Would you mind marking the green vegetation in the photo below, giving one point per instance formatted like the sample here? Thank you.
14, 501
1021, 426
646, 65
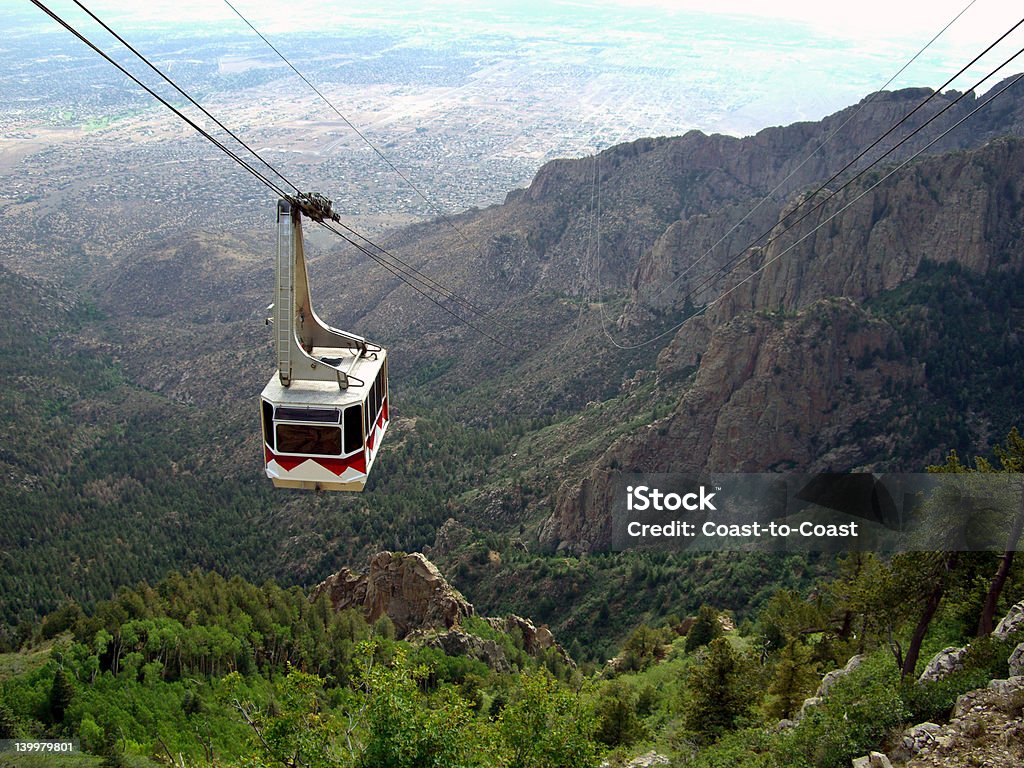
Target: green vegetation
198, 670
964, 327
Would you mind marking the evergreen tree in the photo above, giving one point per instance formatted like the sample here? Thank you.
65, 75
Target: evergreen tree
793, 681
617, 720
720, 692
61, 694
705, 629
8, 723
1011, 458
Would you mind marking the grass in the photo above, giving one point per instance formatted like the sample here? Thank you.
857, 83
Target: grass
23, 662
74, 760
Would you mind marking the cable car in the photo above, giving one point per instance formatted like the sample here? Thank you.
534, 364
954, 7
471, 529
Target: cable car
325, 411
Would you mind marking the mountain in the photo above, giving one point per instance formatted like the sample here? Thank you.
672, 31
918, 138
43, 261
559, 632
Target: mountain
887, 337
832, 358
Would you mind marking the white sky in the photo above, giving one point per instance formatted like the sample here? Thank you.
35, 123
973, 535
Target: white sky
984, 20
854, 19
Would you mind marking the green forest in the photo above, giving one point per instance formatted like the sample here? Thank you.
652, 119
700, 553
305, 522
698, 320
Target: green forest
201, 670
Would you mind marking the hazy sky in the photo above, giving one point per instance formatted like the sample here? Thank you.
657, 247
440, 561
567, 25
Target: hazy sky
858, 19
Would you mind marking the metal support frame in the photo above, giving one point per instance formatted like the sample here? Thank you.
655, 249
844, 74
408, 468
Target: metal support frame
304, 340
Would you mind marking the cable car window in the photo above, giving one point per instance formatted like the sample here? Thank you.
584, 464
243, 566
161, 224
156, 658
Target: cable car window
268, 423
303, 438
353, 428
319, 415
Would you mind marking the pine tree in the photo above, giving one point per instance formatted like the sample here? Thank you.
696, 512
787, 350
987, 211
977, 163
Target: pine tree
794, 676
720, 692
705, 629
61, 694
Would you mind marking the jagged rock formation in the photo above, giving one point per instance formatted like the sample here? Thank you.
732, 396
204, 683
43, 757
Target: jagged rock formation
407, 588
426, 609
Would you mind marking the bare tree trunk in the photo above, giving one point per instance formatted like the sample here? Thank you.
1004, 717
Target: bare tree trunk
930, 607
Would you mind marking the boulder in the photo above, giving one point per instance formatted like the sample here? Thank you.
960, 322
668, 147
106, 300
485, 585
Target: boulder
1012, 622
1016, 661
944, 663
872, 760
648, 760
836, 675
920, 736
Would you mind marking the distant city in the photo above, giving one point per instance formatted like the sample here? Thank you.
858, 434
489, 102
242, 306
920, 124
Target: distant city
467, 108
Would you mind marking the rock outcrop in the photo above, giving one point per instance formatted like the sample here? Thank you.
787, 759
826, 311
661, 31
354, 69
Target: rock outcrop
455, 642
1012, 622
407, 588
827, 683
536, 640
426, 609
648, 760
1016, 661
985, 730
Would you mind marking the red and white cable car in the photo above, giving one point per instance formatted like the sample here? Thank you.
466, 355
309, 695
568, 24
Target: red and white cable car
325, 411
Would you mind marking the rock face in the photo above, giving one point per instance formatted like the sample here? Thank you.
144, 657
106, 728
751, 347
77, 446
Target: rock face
744, 413
408, 589
788, 368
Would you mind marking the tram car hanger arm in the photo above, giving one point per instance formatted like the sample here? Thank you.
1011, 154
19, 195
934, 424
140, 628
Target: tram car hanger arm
326, 409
